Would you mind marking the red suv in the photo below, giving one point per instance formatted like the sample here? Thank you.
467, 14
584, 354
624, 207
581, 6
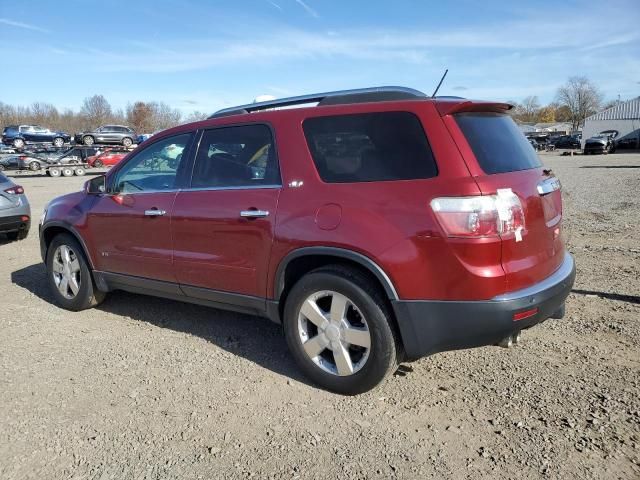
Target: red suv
376, 225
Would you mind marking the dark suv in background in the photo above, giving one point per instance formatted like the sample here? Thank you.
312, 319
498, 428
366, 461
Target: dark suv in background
19, 136
114, 134
377, 227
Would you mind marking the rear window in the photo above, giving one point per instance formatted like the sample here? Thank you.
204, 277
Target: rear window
497, 142
369, 147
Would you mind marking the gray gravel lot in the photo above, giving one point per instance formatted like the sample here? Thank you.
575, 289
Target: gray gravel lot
150, 388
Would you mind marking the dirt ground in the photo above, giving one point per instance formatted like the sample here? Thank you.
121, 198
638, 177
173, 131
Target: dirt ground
145, 388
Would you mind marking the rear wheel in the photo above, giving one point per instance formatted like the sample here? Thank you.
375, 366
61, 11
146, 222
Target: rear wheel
34, 166
18, 143
54, 172
69, 276
339, 330
88, 140
79, 171
127, 142
98, 164
67, 172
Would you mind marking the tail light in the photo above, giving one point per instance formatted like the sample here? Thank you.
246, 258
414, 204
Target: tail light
15, 190
481, 216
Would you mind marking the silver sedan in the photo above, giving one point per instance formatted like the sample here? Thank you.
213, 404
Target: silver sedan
15, 213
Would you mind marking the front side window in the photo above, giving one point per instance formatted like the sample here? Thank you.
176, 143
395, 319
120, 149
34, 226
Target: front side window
153, 169
242, 156
369, 147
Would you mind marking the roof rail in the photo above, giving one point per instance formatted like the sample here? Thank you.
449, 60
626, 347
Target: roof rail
373, 94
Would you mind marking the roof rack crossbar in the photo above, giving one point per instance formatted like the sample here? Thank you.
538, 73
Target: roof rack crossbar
316, 97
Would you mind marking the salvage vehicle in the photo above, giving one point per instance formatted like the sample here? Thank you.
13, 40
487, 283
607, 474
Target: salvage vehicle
108, 134
566, 141
19, 136
15, 212
377, 226
604, 142
107, 158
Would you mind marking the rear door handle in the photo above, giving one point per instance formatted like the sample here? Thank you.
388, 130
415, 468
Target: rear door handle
154, 212
254, 213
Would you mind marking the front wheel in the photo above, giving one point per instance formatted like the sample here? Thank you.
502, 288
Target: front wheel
339, 330
34, 166
88, 140
69, 276
127, 142
18, 143
58, 142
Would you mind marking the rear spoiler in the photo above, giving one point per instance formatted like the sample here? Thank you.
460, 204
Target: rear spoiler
451, 107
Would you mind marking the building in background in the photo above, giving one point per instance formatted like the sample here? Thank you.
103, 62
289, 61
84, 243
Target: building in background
624, 118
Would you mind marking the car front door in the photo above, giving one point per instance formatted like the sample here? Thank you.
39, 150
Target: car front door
223, 223
130, 224
28, 134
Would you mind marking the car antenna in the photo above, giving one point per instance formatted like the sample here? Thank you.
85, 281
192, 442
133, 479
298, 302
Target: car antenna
441, 80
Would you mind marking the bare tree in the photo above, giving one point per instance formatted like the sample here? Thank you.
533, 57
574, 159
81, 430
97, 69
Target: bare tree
581, 97
140, 117
530, 107
196, 116
96, 110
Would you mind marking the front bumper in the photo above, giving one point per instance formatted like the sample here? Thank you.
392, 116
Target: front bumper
428, 327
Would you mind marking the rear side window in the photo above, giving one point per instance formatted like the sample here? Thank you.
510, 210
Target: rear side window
497, 142
236, 156
369, 147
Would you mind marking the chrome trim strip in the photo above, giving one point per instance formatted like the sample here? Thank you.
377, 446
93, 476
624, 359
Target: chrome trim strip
548, 185
561, 274
244, 187
315, 97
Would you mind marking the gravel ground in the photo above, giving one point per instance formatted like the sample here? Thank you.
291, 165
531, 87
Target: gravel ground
150, 388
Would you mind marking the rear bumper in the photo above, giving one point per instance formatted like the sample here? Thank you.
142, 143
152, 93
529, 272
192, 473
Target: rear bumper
14, 223
428, 327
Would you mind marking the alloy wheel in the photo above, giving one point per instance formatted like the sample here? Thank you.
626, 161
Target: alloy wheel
66, 271
333, 332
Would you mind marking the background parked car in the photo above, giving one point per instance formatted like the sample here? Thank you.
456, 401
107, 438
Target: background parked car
566, 141
604, 142
144, 136
15, 212
20, 135
108, 158
36, 161
118, 134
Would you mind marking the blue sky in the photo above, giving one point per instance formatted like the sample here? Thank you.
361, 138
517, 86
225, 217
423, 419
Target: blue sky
197, 55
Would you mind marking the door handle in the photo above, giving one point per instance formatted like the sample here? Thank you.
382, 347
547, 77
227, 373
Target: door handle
254, 213
154, 212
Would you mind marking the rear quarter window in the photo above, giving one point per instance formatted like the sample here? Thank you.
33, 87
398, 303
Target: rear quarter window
369, 147
497, 142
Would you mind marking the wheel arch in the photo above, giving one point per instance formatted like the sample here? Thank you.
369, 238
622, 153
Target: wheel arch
302, 260
49, 232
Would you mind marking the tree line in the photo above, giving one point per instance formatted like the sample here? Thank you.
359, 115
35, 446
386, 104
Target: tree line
574, 101
143, 117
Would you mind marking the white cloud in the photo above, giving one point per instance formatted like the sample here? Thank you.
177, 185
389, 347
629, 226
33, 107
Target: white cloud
309, 10
26, 26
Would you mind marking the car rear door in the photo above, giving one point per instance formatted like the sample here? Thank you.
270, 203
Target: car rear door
130, 226
499, 157
223, 223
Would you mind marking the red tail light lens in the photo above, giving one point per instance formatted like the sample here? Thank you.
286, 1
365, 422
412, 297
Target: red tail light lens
15, 190
481, 216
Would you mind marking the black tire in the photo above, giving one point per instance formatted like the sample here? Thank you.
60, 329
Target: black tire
79, 171
383, 354
88, 140
58, 142
98, 164
54, 172
19, 235
18, 143
67, 171
127, 142
1, 167
34, 166
88, 295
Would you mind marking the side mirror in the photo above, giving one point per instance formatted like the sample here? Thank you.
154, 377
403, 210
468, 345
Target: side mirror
96, 185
